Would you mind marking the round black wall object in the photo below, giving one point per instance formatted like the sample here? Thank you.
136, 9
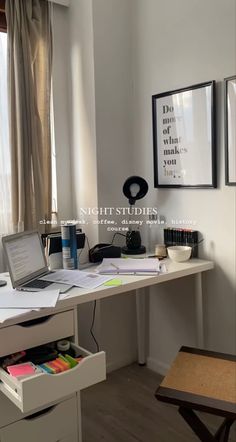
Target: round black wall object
127, 187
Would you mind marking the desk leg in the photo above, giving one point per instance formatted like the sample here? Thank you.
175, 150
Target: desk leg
141, 324
79, 421
199, 310
79, 417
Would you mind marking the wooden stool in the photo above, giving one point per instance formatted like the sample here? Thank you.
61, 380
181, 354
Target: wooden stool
206, 381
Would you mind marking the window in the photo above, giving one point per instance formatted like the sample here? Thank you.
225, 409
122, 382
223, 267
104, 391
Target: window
5, 164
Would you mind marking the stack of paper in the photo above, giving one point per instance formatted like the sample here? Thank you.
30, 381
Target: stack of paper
129, 266
10, 313
18, 299
14, 303
77, 278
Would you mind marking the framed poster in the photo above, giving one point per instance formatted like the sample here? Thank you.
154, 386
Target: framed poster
184, 137
230, 131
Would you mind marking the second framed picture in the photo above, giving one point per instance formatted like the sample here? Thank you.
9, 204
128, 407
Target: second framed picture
184, 137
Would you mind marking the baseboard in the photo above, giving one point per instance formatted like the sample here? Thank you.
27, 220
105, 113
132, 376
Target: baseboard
157, 366
116, 365
154, 365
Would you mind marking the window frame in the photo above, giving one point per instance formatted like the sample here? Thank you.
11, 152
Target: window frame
3, 21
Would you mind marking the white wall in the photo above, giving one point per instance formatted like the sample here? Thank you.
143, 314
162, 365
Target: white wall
101, 148
122, 52
176, 44
74, 111
113, 92
61, 104
83, 136
83, 130
113, 95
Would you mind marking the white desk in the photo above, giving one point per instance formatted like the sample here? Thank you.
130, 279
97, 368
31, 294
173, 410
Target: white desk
14, 336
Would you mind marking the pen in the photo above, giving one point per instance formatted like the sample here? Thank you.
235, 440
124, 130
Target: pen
117, 268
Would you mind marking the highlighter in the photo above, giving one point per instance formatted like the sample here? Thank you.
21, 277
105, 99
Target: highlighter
59, 364
54, 366
72, 361
49, 367
64, 362
45, 368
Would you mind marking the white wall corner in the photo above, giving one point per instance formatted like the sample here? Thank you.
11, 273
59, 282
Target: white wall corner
157, 366
120, 363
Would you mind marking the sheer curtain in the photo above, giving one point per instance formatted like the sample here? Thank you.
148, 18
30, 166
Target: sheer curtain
5, 162
29, 78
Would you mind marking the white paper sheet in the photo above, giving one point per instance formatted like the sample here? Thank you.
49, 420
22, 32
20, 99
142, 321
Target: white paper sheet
28, 300
77, 278
11, 313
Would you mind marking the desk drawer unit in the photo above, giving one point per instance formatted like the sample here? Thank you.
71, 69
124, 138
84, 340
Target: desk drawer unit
36, 332
56, 424
42, 389
8, 412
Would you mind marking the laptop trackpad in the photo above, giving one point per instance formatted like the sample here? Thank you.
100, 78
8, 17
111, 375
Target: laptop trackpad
56, 285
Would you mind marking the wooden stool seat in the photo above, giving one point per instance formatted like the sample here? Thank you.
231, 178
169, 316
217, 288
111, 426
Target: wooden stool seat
205, 381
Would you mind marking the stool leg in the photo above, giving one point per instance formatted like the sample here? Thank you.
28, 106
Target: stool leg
222, 435
196, 424
199, 310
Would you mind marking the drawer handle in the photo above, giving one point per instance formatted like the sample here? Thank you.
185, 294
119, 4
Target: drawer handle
40, 413
34, 322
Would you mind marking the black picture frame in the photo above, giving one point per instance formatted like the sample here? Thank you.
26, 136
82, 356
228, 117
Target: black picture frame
190, 124
230, 131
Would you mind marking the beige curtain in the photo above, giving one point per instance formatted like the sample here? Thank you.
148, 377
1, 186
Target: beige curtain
29, 65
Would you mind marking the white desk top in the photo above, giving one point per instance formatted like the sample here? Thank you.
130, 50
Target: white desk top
78, 295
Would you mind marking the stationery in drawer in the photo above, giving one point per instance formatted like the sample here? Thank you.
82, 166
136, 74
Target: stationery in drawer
36, 332
42, 389
51, 425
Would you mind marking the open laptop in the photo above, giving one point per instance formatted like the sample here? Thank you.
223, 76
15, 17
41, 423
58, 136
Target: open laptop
27, 263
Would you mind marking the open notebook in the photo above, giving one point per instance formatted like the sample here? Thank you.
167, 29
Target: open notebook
129, 266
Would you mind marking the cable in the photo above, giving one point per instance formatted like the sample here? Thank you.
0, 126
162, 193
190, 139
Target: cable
117, 233
87, 241
92, 325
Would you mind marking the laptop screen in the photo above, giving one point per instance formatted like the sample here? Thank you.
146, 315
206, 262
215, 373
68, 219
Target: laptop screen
25, 255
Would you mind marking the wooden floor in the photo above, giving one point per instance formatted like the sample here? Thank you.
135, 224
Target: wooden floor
124, 409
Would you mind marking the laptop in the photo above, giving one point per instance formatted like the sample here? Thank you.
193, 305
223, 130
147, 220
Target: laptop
27, 263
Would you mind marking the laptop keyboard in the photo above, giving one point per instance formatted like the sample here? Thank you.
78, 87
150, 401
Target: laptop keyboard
38, 284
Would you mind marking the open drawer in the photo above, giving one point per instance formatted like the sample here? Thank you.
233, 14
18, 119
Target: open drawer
42, 389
